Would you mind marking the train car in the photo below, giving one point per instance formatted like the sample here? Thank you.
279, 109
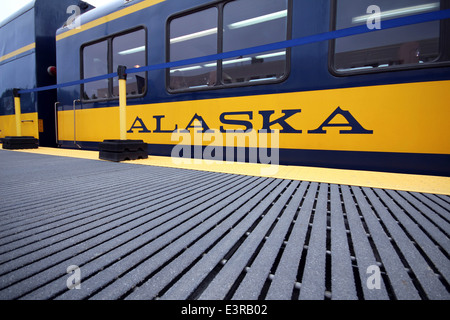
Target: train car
27, 51
373, 101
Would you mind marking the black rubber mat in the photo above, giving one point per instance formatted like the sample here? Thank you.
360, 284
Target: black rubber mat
15, 143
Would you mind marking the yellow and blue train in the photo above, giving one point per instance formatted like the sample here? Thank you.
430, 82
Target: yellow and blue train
374, 98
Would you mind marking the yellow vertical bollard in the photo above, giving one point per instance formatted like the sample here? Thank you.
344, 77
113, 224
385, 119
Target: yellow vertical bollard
123, 149
18, 110
121, 72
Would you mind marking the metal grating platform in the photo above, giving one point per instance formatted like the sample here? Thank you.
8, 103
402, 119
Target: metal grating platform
139, 232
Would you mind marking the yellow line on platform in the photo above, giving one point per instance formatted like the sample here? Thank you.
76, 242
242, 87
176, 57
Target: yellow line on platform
71, 153
394, 181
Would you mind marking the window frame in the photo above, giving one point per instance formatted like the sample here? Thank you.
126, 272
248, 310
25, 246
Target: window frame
444, 51
82, 67
109, 40
220, 5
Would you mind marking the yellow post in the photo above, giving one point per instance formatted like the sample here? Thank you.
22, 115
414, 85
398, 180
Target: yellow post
121, 71
18, 111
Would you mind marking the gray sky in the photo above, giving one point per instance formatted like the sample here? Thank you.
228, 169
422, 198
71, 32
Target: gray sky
8, 7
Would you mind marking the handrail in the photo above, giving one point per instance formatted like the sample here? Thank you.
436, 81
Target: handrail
75, 124
56, 122
326, 36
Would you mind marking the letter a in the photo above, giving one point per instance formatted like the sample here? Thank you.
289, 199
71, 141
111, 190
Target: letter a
374, 19
73, 22
196, 120
374, 281
351, 122
74, 281
142, 126
181, 153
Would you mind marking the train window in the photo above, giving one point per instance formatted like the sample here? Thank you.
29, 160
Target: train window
130, 50
192, 36
228, 26
413, 45
251, 23
95, 63
103, 57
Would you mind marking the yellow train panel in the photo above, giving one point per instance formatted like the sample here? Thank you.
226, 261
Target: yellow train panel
29, 125
406, 118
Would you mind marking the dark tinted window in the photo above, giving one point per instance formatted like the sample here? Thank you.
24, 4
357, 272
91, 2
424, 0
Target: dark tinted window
129, 50
95, 63
236, 25
251, 23
409, 45
192, 36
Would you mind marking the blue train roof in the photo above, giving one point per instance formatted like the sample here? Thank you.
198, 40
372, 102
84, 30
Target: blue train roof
101, 11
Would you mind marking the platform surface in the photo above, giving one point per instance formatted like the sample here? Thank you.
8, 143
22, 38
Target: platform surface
155, 232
